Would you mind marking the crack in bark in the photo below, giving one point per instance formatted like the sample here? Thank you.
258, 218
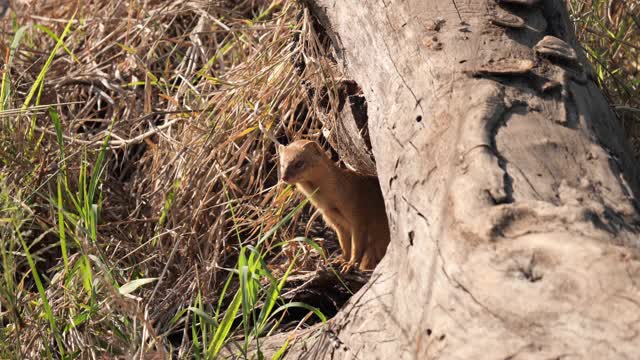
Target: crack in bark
394, 137
458, 284
347, 314
526, 179
404, 81
418, 212
475, 300
507, 180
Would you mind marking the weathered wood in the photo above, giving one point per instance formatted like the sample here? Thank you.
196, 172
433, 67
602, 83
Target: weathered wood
511, 194
348, 134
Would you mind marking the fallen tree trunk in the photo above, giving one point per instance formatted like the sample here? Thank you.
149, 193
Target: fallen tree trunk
509, 188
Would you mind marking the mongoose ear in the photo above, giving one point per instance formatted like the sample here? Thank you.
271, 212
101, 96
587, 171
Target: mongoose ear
313, 145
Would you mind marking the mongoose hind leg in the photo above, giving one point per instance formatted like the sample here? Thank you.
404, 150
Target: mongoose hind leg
367, 263
373, 253
378, 243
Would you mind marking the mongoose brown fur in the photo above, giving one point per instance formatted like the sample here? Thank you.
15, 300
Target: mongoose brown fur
352, 204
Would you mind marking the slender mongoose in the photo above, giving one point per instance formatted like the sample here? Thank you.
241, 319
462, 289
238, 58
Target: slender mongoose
352, 204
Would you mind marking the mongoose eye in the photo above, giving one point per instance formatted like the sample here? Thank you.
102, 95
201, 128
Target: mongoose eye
298, 164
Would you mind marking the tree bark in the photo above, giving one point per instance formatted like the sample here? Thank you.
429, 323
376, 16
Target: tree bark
509, 187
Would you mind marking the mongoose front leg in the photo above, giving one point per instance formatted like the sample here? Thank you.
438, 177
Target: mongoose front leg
344, 238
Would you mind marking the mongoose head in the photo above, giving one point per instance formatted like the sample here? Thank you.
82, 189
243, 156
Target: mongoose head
299, 160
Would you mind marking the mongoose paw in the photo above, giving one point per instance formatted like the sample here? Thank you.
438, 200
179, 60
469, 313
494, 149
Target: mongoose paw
338, 261
347, 267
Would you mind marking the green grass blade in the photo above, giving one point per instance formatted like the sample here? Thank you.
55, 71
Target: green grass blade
99, 165
131, 286
222, 332
233, 216
278, 355
301, 305
61, 226
203, 316
55, 37
194, 337
5, 89
245, 291
43, 295
222, 294
47, 64
272, 296
280, 223
87, 274
59, 201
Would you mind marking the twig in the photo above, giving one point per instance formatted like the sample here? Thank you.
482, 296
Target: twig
115, 144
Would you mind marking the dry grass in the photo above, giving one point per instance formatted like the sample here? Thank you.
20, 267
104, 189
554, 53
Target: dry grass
189, 179
609, 31
186, 184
